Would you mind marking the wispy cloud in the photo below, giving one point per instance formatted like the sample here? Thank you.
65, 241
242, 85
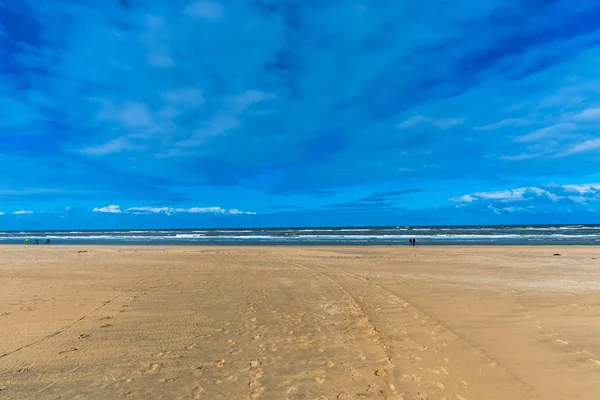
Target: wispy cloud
447, 123
590, 114
441, 123
412, 121
583, 147
118, 145
505, 123
551, 132
23, 212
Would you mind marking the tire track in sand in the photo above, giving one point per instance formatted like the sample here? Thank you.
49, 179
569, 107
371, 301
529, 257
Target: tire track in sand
366, 318
427, 358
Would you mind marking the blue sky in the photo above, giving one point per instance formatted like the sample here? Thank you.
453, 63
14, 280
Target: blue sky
191, 113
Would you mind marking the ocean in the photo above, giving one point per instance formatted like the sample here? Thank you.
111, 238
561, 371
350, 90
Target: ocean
392, 235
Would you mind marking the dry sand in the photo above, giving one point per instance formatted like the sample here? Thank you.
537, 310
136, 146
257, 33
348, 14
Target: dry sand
464, 323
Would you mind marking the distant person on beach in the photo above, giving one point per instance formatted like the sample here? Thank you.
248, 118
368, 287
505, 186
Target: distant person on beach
26, 241
414, 242
410, 241
47, 241
37, 241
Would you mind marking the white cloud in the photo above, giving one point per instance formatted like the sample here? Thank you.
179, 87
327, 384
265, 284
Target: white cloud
591, 114
194, 210
235, 211
1, 213
519, 157
23, 212
412, 121
215, 210
513, 209
467, 198
244, 100
583, 188
494, 209
205, 9
584, 147
171, 210
442, 123
114, 146
578, 193
509, 195
504, 123
545, 133
114, 209
151, 210
447, 123
216, 126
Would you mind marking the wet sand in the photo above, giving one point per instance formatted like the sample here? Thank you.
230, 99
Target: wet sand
464, 323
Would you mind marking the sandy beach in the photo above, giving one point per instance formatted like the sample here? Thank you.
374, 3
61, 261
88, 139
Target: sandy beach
464, 323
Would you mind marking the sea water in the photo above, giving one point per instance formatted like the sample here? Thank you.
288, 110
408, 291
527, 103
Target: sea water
391, 235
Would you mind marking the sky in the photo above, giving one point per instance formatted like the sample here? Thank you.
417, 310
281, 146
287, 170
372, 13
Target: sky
249, 113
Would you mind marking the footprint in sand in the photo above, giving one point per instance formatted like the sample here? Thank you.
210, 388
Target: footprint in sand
68, 351
254, 381
197, 392
106, 326
84, 336
152, 368
106, 318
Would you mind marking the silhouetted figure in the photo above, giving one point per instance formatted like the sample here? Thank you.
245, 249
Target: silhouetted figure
37, 241
47, 241
414, 242
410, 241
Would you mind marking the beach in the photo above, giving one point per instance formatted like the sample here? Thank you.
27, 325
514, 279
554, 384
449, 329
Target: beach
259, 322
